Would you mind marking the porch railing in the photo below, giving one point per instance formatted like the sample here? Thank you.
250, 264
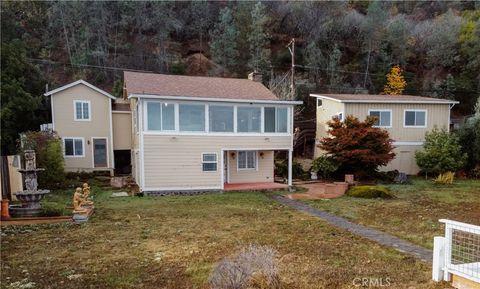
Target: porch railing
458, 252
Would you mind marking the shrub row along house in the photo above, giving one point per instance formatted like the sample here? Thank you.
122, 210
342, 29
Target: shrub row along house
181, 133
406, 118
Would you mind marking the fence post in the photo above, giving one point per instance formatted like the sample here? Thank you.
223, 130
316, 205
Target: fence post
448, 251
438, 258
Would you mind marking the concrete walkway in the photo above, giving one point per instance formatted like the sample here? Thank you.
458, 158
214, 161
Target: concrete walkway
362, 231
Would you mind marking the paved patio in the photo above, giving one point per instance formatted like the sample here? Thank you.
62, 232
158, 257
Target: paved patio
255, 187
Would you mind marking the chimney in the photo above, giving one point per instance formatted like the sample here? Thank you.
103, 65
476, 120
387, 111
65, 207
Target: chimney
255, 76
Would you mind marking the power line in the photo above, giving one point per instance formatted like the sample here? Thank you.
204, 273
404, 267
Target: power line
46, 61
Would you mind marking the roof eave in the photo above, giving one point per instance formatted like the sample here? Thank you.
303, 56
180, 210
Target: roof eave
194, 98
81, 81
385, 101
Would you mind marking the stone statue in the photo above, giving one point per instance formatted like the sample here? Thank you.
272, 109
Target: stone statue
86, 195
77, 202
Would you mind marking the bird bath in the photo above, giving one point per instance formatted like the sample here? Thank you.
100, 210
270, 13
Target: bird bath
31, 197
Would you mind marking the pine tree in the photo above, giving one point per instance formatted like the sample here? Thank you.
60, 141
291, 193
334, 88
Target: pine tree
395, 82
223, 44
259, 40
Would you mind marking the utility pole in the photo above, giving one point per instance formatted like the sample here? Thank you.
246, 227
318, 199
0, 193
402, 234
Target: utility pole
291, 48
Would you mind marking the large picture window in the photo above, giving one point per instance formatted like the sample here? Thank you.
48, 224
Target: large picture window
415, 118
192, 117
82, 110
160, 116
73, 147
247, 160
248, 119
384, 117
276, 119
220, 118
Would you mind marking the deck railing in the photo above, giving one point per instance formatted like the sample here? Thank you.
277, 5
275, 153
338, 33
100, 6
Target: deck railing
458, 252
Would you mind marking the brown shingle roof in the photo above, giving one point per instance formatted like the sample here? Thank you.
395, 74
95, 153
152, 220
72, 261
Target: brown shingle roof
195, 86
383, 98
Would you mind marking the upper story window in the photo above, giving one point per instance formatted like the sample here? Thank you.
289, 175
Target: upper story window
82, 110
276, 119
319, 102
192, 117
220, 118
73, 147
384, 117
160, 116
415, 118
248, 119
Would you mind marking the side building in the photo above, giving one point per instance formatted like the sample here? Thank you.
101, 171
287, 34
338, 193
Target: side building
406, 118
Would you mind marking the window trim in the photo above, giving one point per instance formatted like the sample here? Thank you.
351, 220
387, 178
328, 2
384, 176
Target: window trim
339, 115
382, 110
74, 138
145, 131
145, 111
210, 162
321, 102
75, 110
415, 110
255, 153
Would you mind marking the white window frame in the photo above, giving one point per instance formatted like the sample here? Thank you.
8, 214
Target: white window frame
210, 162
207, 131
161, 103
321, 102
276, 118
74, 138
382, 110
255, 153
75, 110
415, 110
339, 115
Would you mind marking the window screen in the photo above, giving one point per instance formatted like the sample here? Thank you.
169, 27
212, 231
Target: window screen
221, 118
192, 117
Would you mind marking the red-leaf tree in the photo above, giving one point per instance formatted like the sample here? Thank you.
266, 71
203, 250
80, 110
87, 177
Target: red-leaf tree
357, 146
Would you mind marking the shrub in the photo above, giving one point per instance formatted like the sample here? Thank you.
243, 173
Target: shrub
357, 147
281, 169
444, 179
49, 156
253, 266
441, 153
325, 166
469, 140
369, 192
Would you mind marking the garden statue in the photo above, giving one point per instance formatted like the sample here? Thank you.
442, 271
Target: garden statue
86, 195
77, 202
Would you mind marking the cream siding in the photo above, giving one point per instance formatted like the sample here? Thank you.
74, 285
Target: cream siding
325, 113
122, 130
97, 127
437, 115
404, 160
262, 174
175, 161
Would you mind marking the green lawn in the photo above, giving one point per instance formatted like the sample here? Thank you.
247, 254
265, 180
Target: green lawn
415, 212
174, 242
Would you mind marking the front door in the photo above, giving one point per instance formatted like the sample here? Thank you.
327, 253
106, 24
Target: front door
100, 152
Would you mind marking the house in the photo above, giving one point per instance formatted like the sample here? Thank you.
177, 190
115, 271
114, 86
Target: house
406, 118
176, 133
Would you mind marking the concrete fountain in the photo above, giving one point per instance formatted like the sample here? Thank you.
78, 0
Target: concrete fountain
30, 198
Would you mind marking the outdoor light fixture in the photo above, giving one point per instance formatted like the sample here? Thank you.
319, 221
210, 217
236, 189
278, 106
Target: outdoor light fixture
233, 155
261, 154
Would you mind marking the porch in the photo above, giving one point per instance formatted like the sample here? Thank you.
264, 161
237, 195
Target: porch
255, 187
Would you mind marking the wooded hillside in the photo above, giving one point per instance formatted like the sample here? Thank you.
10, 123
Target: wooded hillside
341, 47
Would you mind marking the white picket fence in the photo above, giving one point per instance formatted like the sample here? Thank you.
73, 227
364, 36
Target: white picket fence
457, 253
